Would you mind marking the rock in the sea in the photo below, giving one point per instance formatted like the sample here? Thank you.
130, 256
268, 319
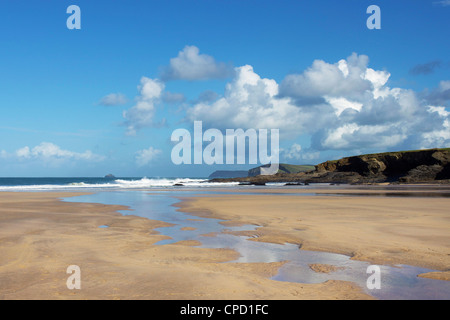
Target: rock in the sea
252, 183
110, 176
259, 183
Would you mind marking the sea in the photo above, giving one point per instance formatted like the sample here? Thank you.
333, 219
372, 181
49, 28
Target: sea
102, 183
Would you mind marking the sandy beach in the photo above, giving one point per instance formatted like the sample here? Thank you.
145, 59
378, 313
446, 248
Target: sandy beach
40, 236
380, 230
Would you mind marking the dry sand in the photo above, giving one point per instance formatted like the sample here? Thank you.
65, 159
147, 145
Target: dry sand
40, 236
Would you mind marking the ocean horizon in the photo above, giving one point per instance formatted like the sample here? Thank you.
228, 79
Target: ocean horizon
102, 183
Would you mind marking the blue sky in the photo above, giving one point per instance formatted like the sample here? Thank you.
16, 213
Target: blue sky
75, 102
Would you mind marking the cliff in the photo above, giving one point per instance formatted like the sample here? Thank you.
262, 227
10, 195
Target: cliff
417, 166
406, 166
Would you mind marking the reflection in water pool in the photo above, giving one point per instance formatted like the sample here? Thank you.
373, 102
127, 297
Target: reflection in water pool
398, 282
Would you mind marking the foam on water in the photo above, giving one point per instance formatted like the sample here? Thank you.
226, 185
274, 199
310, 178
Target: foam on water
56, 184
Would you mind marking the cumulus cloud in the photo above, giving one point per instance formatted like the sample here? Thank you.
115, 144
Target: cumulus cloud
341, 104
23, 152
356, 136
249, 101
50, 151
142, 113
144, 157
440, 136
191, 65
113, 99
344, 106
294, 152
369, 114
324, 79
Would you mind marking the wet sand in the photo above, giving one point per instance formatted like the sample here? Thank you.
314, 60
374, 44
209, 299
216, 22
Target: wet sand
40, 236
380, 230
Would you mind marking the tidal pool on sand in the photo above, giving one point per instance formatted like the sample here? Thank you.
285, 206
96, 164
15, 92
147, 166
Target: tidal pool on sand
397, 282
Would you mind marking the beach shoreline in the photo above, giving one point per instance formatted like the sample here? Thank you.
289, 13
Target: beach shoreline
40, 236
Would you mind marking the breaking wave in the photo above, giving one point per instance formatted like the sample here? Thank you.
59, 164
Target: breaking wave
125, 183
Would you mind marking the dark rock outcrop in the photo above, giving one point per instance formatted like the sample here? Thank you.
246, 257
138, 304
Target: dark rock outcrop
419, 166
408, 166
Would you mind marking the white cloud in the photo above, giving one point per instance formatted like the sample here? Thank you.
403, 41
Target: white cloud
23, 153
113, 99
191, 65
345, 78
354, 136
439, 110
294, 152
378, 80
369, 114
341, 104
440, 136
249, 102
345, 105
142, 113
144, 157
335, 138
48, 151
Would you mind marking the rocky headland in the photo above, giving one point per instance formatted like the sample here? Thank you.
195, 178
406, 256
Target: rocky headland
417, 166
